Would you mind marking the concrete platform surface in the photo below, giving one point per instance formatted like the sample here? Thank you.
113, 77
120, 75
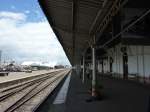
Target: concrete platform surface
118, 96
20, 75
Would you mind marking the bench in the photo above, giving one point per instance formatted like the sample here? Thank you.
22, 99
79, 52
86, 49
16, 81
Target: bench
133, 76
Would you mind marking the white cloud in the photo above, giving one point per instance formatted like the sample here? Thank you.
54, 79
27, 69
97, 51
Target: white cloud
27, 11
27, 63
28, 41
12, 15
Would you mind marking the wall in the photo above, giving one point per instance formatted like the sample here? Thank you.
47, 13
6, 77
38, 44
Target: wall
138, 60
116, 55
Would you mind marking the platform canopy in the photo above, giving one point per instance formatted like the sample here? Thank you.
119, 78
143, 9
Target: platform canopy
74, 22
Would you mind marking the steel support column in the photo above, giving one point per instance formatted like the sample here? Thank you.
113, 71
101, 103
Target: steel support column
83, 75
143, 60
125, 64
93, 72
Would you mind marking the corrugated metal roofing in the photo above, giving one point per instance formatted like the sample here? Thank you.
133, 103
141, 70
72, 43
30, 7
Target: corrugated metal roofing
73, 22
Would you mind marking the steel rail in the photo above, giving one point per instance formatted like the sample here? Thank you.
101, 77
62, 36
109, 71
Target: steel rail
10, 93
29, 96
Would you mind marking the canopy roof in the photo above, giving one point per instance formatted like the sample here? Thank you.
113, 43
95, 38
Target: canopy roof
74, 22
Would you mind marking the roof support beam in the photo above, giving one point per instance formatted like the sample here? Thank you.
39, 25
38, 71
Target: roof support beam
113, 10
124, 2
74, 16
80, 32
125, 29
97, 17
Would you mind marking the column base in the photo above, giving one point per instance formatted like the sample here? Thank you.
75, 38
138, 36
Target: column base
96, 96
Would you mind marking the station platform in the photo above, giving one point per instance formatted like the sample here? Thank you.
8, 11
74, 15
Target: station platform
20, 75
17, 77
118, 96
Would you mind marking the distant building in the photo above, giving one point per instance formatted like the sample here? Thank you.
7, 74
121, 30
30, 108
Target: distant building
39, 67
58, 66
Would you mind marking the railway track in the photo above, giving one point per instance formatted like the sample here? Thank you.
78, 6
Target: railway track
27, 96
16, 87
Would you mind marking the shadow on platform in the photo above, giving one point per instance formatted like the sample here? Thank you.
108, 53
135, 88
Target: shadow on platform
119, 96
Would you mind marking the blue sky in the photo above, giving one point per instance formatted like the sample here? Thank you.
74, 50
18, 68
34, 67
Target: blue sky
25, 34
30, 7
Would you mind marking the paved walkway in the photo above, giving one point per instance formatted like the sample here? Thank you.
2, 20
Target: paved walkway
119, 96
